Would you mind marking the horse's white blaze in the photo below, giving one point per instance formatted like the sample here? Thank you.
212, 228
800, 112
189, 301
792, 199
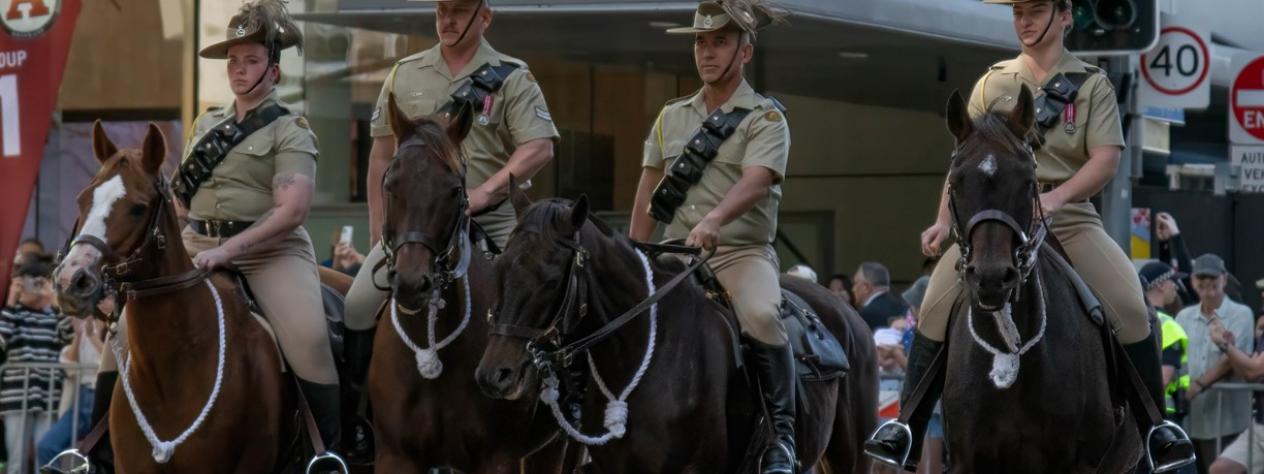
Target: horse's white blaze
103, 199
988, 166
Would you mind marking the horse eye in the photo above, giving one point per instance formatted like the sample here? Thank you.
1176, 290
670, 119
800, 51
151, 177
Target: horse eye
137, 210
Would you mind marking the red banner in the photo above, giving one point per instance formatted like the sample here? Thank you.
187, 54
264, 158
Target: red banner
34, 42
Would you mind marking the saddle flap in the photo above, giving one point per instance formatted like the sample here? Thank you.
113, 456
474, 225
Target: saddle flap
819, 354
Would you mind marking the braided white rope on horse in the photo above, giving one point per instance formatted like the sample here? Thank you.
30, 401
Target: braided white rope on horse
1005, 365
164, 449
616, 416
428, 363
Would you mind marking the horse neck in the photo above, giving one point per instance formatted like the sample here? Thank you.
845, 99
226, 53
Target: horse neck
616, 283
171, 323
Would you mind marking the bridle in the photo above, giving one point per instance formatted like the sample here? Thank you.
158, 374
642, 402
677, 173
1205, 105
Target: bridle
119, 273
547, 347
451, 258
1029, 239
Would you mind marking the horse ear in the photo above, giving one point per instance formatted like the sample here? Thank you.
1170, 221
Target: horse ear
459, 125
401, 125
518, 198
958, 117
579, 212
101, 144
1023, 116
154, 151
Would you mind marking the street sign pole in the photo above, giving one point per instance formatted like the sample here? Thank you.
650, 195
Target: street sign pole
1116, 201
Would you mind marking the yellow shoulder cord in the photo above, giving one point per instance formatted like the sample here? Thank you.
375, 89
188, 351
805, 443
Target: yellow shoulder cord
658, 128
390, 79
983, 88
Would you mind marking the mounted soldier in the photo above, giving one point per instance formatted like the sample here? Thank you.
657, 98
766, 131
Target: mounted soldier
1079, 140
513, 134
245, 186
722, 190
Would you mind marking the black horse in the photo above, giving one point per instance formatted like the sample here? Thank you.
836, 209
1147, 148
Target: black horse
1030, 386
693, 410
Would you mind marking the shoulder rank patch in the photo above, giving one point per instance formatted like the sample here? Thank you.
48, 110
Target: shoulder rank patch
302, 123
543, 113
377, 113
773, 116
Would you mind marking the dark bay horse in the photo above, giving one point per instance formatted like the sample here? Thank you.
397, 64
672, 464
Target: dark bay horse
1051, 408
566, 274
441, 293
198, 363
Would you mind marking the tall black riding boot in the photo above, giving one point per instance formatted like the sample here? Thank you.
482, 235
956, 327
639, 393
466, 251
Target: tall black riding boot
358, 350
1169, 447
325, 401
102, 455
774, 366
892, 440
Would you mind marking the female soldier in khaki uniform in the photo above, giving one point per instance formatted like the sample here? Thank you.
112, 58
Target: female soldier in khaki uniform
732, 207
249, 213
1078, 157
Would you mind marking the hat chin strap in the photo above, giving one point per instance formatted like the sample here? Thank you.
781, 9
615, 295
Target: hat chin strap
1048, 25
470, 23
733, 60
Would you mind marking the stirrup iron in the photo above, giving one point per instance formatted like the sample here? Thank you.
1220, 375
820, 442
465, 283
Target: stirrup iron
897, 463
77, 462
327, 455
1172, 465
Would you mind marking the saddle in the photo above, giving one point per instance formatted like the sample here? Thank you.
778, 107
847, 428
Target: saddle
819, 355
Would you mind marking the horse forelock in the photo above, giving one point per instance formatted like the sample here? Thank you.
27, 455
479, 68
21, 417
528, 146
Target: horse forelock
435, 140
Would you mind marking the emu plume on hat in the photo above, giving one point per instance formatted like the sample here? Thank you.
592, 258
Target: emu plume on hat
266, 22
746, 15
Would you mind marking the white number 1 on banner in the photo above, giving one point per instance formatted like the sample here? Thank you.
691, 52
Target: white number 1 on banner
11, 133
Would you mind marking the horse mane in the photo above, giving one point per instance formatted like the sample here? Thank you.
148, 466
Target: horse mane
434, 136
992, 128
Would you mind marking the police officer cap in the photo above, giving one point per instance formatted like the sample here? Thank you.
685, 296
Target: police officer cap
266, 22
1155, 273
745, 15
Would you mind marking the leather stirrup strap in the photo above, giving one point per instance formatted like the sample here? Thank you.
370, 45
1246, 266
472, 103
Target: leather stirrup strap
94, 436
313, 431
923, 385
1152, 412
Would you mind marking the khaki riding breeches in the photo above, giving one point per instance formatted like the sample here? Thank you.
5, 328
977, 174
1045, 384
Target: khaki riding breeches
364, 299
1096, 257
749, 275
286, 285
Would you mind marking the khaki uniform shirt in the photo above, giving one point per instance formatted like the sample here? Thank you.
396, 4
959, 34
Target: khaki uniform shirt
1096, 113
240, 188
762, 139
422, 84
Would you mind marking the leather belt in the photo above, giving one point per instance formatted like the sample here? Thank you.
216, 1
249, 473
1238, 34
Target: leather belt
219, 229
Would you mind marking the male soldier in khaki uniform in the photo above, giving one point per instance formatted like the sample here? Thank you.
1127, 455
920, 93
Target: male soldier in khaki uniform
248, 213
513, 133
1078, 154
732, 205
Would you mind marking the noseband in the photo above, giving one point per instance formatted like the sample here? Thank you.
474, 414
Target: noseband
1029, 239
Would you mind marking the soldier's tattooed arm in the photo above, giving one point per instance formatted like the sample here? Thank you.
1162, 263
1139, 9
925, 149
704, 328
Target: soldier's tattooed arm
291, 200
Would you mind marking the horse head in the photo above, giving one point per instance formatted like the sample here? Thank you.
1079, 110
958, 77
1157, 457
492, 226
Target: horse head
537, 276
424, 197
993, 196
119, 214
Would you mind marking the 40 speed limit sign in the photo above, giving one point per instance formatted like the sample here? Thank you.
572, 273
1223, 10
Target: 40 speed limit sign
1176, 71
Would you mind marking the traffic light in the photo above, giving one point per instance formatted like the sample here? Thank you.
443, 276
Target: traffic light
1113, 26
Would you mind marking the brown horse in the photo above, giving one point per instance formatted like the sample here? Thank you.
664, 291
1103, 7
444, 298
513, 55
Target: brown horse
197, 361
1055, 406
427, 409
565, 276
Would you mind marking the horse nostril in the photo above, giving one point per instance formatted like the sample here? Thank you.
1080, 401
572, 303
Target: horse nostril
1011, 276
83, 283
504, 377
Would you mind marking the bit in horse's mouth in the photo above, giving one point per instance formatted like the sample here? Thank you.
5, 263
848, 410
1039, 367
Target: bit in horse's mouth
406, 310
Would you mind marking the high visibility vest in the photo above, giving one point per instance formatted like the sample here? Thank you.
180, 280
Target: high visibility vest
1174, 335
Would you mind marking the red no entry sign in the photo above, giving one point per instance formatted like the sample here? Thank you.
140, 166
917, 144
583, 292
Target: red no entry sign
1246, 103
